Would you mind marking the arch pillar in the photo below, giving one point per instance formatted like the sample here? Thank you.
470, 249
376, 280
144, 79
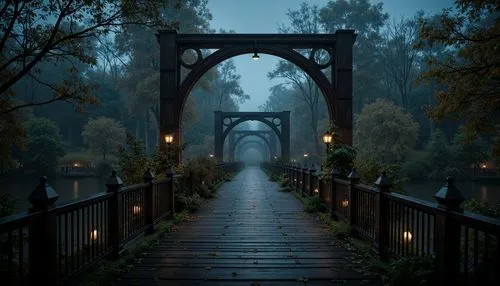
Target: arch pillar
169, 91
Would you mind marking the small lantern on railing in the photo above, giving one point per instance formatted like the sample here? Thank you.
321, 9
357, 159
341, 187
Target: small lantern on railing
345, 203
407, 236
93, 235
136, 210
316, 191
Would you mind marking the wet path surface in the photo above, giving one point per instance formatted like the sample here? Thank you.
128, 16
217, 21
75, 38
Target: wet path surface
251, 234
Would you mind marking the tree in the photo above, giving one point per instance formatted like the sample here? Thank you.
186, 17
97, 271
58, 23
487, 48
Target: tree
438, 154
367, 20
305, 20
43, 146
226, 85
384, 132
466, 153
141, 80
469, 79
53, 31
400, 59
103, 135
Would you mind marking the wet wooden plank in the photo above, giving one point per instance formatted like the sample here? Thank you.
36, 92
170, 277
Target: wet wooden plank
251, 234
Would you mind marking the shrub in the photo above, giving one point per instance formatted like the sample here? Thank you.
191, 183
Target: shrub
7, 204
413, 170
313, 205
191, 203
412, 271
483, 208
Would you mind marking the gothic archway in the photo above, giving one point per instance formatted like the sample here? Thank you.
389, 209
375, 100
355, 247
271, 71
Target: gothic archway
174, 89
267, 136
279, 122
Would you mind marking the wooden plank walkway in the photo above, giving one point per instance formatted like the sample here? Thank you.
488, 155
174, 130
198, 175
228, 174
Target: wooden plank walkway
252, 234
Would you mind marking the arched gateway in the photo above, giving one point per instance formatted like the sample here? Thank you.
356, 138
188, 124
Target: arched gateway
245, 145
267, 136
279, 122
335, 86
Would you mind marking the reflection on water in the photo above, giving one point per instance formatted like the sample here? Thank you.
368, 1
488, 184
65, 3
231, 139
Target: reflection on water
75, 189
69, 189
485, 191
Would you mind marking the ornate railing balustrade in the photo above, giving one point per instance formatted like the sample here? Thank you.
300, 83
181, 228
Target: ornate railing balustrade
466, 246
52, 244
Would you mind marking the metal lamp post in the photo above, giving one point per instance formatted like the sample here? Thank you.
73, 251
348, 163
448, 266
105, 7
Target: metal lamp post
327, 139
169, 138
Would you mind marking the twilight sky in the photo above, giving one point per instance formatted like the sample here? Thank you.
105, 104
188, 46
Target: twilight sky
263, 16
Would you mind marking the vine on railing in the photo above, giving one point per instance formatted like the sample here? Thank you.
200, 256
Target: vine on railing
466, 246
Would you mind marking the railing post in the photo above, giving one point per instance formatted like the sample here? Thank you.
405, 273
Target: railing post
298, 176
303, 185
312, 172
149, 201
114, 183
43, 236
447, 239
382, 208
353, 180
335, 174
170, 188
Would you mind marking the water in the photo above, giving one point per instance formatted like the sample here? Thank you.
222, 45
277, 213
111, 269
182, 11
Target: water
69, 189
485, 191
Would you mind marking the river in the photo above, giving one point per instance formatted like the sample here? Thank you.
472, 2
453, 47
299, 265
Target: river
75, 188
69, 189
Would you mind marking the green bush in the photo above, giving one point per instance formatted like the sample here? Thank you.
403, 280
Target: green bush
285, 189
191, 203
313, 205
412, 271
483, 208
340, 157
414, 170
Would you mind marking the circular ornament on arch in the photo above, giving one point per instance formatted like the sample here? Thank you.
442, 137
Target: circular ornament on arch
227, 121
190, 58
321, 57
276, 121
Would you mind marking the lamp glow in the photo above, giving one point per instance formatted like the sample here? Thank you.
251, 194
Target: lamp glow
483, 165
345, 203
407, 236
211, 155
169, 138
316, 190
306, 155
136, 210
93, 235
327, 138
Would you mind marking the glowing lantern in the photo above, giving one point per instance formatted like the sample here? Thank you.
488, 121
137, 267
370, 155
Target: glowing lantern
93, 235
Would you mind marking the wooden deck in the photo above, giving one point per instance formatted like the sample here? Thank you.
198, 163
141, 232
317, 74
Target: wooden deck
252, 234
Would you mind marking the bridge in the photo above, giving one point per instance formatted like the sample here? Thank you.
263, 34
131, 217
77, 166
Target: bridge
251, 233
